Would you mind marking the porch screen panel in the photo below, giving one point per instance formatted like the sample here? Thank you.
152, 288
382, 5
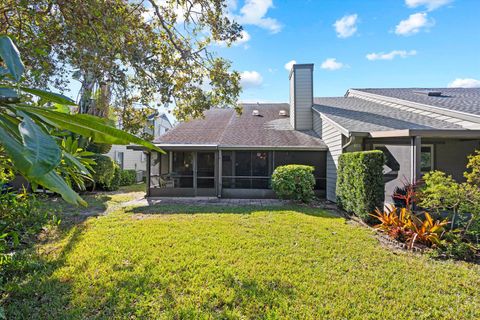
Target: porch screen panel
154, 170
309, 158
182, 169
246, 169
206, 170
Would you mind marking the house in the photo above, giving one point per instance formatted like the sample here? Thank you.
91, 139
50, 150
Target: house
128, 159
231, 155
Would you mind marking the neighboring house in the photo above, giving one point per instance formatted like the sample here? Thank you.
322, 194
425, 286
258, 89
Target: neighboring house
127, 159
230, 155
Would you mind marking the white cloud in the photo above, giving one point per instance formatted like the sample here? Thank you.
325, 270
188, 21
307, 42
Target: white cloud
254, 12
346, 26
250, 79
464, 83
390, 55
331, 64
413, 24
429, 4
288, 66
244, 38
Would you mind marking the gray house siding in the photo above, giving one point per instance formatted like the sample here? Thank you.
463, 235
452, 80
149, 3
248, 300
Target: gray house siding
451, 156
397, 169
333, 139
292, 100
301, 96
303, 99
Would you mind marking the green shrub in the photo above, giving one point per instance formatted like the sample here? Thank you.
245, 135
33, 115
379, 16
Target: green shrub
21, 220
127, 177
115, 182
454, 246
360, 185
294, 182
104, 171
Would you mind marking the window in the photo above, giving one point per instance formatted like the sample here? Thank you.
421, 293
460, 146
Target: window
426, 158
119, 158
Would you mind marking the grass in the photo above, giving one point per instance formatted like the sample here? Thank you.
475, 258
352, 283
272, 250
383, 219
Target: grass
235, 263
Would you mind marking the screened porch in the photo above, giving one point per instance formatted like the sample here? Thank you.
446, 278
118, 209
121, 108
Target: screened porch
226, 173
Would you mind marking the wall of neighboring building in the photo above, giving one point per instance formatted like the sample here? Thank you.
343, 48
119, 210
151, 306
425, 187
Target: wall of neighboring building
333, 139
451, 156
132, 159
397, 169
136, 160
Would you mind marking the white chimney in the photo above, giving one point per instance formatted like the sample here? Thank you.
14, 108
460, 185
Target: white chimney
301, 96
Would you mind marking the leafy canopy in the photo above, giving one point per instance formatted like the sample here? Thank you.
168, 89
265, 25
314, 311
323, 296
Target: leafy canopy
159, 50
27, 122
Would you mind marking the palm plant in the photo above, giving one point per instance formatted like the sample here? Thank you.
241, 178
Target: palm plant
28, 116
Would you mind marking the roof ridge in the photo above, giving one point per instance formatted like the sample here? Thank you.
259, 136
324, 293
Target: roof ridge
220, 138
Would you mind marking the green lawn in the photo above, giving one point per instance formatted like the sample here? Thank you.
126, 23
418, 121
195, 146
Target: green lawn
238, 263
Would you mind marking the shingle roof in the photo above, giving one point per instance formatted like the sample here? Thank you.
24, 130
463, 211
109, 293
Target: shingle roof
358, 115
223, 127
456, 99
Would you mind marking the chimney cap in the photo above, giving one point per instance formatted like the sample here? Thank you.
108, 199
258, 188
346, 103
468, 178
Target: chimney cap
300, 66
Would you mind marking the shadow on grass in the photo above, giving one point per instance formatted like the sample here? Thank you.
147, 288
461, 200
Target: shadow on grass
33, 292
97, 205
212, 209
38, 293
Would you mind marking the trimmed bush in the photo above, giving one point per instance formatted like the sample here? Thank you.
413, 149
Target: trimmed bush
104, 171
115, 183
360, 185
127, 177
294, 182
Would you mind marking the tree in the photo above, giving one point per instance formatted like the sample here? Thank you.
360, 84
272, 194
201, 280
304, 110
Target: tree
160, 49
27, 120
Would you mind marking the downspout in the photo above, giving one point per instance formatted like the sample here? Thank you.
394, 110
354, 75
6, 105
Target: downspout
351, 138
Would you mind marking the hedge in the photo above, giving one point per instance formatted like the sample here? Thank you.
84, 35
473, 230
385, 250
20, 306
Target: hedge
360, 184
115, 182
103, 171
294, 182
127, 177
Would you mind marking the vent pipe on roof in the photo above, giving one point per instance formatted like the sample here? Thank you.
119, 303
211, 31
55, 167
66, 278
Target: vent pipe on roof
429, 93
301, 96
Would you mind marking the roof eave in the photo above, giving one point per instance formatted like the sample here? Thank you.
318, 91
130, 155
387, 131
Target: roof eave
427, 133
425, 107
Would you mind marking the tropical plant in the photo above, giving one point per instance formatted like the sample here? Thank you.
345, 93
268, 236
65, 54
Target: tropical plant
26, 124
406, 196
403, 225
76, 164
426, 231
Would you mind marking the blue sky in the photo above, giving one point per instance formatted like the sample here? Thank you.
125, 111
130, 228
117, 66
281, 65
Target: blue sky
409, 43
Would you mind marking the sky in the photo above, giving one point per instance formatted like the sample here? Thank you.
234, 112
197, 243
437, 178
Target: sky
355, 44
